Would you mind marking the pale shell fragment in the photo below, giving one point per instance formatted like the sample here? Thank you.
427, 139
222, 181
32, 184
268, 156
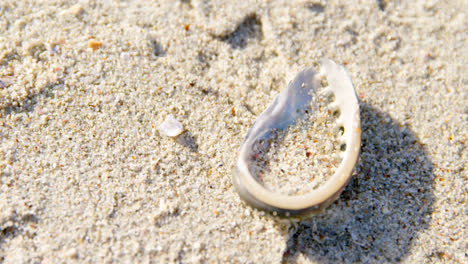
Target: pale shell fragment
287, 107
170, 127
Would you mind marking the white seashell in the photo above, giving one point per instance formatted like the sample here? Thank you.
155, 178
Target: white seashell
170, 127
288, 107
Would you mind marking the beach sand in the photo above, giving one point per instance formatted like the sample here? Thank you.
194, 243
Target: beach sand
86, 177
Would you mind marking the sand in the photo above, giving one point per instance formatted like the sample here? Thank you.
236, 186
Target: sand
86, 177
302, 157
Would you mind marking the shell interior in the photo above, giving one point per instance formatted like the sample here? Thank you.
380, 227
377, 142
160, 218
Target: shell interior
287, 109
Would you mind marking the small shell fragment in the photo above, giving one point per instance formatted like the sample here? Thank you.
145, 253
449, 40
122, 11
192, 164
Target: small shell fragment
170, 127
288, 107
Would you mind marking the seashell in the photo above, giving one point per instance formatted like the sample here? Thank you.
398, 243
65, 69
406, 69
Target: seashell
288, 107
170, 127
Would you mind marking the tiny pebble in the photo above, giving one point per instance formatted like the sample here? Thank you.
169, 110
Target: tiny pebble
94, 44
71, 253
75, 10
44, 119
